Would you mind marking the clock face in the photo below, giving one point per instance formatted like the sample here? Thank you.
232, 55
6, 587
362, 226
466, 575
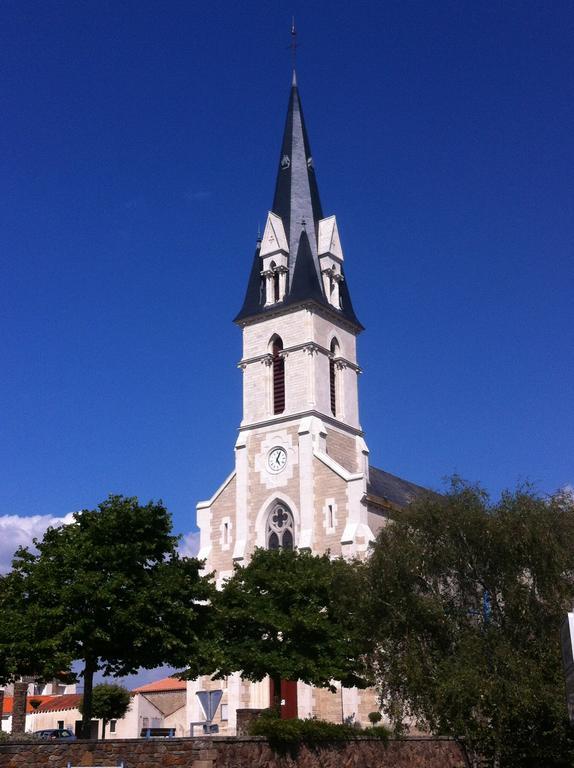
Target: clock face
277, 459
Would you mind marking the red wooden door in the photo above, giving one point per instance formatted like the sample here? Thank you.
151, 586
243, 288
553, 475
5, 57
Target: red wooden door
288, 698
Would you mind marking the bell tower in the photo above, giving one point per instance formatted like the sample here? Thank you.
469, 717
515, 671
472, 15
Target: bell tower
297, 307
301, 476
301, 463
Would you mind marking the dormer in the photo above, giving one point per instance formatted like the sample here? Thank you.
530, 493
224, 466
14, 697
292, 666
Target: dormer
274, 256
330, 256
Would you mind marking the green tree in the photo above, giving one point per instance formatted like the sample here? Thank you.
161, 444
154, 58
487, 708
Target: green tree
110, 590
109, 702
465, 601
290, 615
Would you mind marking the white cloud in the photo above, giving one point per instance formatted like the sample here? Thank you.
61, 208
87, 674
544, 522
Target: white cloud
18, 531
189, 545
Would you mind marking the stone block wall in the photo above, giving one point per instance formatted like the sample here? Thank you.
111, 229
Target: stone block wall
232, 752
19, 707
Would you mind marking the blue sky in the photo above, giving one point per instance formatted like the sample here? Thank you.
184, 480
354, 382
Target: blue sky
139, 143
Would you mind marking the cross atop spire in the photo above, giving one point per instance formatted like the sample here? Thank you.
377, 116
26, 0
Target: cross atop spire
293, 47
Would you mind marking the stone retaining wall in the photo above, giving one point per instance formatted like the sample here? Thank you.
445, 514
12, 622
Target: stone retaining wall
233, 752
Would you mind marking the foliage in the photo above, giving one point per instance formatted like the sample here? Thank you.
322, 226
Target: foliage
109, 702
466, 598
109, 589
28, 644
289, 734
374, 717
293, 616
8, 738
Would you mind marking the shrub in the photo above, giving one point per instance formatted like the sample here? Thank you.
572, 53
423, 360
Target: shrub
288, 735
6, 738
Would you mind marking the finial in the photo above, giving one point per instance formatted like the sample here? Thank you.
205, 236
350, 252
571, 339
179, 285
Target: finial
293, 47
304, 223
258, 232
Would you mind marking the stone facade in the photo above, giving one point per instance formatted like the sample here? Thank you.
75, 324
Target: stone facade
234, 753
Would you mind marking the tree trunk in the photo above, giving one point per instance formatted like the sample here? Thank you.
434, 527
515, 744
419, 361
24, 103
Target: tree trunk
1, 704
89, 670
104, 723
19, 708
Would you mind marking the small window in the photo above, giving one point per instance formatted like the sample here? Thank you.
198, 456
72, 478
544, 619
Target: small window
333, 376
225, 711
145, 722
278, 365
331, 516
226, 533
61, 724
113, 726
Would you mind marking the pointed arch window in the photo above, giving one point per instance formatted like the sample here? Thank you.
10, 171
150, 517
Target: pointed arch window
279, 532
333, 376
278, 368
273, 285
262, 291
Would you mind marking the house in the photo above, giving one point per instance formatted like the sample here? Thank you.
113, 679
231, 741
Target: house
31, 704
160, 704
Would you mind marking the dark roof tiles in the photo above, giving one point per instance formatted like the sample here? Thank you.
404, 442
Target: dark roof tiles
392, 488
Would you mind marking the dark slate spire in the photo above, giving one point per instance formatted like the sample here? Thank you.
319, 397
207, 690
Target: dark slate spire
296, 193
306, 284
298, 205
254, 295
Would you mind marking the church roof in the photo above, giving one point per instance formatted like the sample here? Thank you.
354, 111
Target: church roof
297, 203
392, 488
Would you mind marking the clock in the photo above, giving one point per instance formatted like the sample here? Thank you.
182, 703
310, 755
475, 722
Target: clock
277, 459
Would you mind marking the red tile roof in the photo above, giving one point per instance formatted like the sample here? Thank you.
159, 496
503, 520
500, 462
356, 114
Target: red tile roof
57, 703
9, 703
165, 684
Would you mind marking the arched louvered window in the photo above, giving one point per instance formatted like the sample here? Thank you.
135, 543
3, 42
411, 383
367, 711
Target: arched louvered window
262, 295
279, 533
274, 283
333, 376
278, 366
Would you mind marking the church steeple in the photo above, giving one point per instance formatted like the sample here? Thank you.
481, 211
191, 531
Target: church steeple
296, 231
296, 198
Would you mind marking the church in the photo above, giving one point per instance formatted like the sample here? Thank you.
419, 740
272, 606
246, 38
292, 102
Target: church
302, 476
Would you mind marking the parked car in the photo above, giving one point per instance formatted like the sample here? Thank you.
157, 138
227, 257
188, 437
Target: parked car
62, 734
